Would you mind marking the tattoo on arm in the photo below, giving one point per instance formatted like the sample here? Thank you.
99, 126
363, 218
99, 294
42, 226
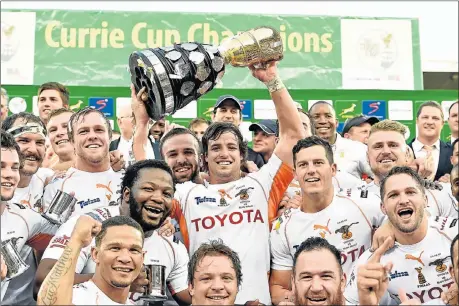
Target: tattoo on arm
49, 290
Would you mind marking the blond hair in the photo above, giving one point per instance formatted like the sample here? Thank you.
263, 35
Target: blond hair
388, 126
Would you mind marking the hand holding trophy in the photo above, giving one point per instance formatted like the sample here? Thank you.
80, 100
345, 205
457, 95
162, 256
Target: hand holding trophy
176, 75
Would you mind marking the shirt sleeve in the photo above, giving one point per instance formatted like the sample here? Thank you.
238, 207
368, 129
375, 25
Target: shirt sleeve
41, 231
60, 240
281, 259
371, 206
178, 278
448, 206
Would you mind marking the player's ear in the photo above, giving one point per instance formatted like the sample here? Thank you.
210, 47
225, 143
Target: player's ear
95, 254
126, 194
191, 289
343, 281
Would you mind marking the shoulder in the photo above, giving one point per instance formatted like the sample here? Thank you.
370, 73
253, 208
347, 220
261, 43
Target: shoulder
358, 195
446, 226
60, 176
280, 222
44, 173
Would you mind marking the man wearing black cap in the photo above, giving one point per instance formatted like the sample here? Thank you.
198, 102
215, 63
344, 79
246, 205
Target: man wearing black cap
228, 109
264, 137
358, 128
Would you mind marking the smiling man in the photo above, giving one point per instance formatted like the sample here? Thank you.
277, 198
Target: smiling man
92, 179
214, 274
51, 96
147, 191
264, 137
118, 255
453, 121
58, 121
420, 257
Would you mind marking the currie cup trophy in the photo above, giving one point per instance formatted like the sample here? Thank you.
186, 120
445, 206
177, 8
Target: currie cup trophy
176, 75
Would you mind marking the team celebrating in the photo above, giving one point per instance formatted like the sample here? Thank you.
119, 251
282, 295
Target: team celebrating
307, 216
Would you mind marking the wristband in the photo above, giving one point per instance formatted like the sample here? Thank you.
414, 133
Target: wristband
275, 84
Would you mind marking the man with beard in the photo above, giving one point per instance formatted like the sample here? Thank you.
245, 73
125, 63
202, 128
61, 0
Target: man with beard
118, 255
20, 225
421, 254
30, 134
345, 218
387, 149
92, 180
147, 192
317, 277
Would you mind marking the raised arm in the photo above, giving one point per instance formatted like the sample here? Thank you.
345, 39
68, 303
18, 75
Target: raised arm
140, 140
57, 288
290, 127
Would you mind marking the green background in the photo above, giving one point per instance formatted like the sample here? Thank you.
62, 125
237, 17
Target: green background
339, 97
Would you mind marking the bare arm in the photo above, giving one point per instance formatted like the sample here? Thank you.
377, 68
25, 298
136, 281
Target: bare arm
183, 297
57, 288
290, 127
45, 267
280, 286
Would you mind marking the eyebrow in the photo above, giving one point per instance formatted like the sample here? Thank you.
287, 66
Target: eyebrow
120, 244
320, 272
157, 186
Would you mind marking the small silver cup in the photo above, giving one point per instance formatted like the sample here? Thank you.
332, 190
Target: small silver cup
156, 288
60, 208
14, 262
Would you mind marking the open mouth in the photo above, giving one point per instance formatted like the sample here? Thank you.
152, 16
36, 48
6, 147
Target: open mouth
93, 146
63, 141
386, 161
31, 158
312, 180
153, 211
317, 300
124, 270
7, 185
405, 213
224, 163
217, 298
182, 169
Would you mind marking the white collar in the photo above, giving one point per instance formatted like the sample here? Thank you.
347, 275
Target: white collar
418, 146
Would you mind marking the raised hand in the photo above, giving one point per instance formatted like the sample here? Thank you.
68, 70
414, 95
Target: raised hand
372, 280
140, 282
116, 160
266, 74
85, 230
138, 106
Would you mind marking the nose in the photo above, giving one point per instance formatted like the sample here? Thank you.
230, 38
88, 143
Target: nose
223, 152
156, 196
386, 149
7, 173
124, 256
316, 284
403, 198
181, 158
311, 169
217, 284
31, 148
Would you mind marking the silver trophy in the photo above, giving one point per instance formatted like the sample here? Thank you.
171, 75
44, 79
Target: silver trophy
61, 208
155, 291
16, 266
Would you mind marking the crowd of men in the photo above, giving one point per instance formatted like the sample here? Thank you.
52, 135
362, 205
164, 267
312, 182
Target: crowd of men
307, 216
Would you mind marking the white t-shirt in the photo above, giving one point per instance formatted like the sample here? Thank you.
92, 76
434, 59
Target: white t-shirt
166, 251
347, 223
124, 147
342, 180
239, 213
92, 189
31, 195
351, 156
439, 203
25, 227
88, 293
420, 269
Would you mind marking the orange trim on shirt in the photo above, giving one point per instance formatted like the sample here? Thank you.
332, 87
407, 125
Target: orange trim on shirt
178, 215
281, 181
62, 186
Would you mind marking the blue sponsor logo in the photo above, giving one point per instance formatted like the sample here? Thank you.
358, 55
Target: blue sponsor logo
88, 202
374, 108
105, 105
200, 200
397, 274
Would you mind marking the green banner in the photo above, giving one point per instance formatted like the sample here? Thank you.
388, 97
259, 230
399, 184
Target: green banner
92, 48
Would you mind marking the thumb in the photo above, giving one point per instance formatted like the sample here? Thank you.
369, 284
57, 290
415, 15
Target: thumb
402, 295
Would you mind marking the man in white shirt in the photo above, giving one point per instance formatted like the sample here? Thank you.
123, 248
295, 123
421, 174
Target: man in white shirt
453, 121
421, 253
92, 180
427, 144
387, 149
349, 155
21, 225
125, 121
229, 203
147, 186
118, 255
62, 148
345, 218
214, 274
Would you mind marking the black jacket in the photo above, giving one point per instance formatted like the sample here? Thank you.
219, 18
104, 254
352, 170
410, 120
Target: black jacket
115, 143
444, 162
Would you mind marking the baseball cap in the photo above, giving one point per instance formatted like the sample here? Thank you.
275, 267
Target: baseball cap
266, 125
358, 120
224, 98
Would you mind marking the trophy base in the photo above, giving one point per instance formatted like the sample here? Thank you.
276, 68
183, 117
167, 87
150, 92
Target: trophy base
19, 272
153, 299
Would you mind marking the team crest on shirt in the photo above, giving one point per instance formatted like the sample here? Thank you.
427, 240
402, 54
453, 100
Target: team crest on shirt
323, 229
439, 264
345, 232
223, 194
244, 193
59, 242
421, 278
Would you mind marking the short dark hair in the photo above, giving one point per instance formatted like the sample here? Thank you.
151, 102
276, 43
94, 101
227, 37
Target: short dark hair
117, 221
216, 129
402, 170
451, 107
316, 244
132, 172
26, 117
214, 248
455, 240
310, 142
175, 132
429, 104
196, 121
8, 142
322, 102
63, 91
83, 113
311, 122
